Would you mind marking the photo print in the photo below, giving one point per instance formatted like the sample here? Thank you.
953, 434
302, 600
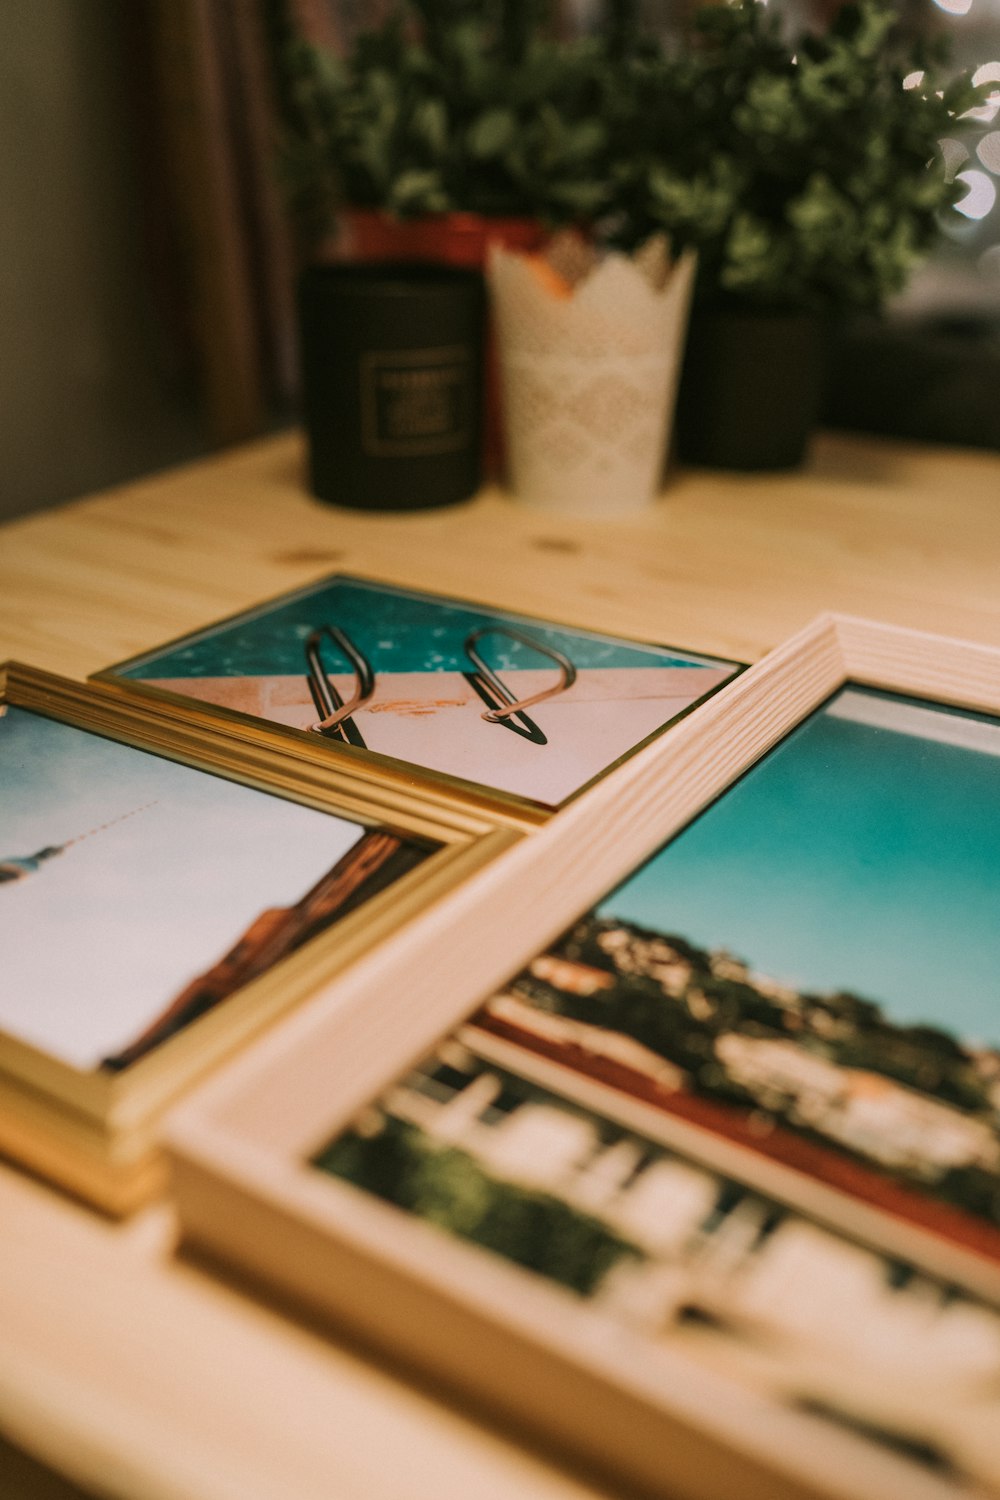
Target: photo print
501, 701
137, 893
810, 969
532, 1162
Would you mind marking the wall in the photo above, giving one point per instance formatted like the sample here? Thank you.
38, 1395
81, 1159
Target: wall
92, 390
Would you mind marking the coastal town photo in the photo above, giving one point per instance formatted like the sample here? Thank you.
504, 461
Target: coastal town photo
520, 1158
800, 988
812, 968
808, 971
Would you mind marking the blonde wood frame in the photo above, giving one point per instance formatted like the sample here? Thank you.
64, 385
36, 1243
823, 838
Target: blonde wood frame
95, 1132
240, 1149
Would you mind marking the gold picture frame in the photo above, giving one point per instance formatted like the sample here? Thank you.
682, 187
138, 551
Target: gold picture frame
418, 673
244, 1153
93, 1128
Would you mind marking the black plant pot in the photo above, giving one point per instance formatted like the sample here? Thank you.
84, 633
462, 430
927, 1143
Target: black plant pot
751, 388
392, 382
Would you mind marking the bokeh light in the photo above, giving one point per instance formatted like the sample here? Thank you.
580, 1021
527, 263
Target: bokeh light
981, 195
988, 152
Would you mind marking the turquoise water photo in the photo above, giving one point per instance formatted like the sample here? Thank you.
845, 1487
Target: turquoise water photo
496, 700
811, 968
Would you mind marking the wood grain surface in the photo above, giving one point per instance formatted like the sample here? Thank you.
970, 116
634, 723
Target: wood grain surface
136, 1375
725, 563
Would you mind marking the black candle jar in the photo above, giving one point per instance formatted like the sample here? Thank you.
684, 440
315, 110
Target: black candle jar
392, 383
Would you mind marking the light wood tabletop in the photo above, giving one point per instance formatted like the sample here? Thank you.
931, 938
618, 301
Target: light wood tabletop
133, 1373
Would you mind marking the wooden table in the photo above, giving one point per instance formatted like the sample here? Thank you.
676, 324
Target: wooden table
135, 1374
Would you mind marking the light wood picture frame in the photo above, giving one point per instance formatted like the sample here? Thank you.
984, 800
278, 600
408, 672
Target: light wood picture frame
699, 1410
504, 711
167, 894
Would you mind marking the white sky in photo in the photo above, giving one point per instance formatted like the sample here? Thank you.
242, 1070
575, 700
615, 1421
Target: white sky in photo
97, 942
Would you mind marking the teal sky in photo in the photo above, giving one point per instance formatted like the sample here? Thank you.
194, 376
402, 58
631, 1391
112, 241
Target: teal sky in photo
853, 857
395, 630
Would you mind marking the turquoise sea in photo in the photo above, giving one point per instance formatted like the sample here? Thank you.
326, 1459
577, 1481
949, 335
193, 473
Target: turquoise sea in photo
853, 857
396, 631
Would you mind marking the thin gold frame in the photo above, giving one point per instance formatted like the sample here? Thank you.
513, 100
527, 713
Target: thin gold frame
95, 1132
248, 1193
507, 807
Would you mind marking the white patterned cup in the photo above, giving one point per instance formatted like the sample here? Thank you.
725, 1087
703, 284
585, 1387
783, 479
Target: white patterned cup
589, 376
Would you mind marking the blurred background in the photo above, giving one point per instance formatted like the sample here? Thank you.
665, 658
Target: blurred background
147, 260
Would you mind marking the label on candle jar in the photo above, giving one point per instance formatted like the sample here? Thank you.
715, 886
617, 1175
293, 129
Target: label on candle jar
416, 402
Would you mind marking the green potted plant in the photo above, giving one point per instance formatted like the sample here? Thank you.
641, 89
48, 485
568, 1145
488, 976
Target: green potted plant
807, 174
450, 125
452, 122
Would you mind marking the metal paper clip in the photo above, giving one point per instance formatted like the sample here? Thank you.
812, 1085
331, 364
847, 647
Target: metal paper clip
335, 715
502, 707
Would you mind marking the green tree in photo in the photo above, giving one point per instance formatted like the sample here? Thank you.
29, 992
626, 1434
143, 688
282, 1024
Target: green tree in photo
447, 1187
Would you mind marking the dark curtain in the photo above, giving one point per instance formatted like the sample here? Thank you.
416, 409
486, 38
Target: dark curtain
222, 247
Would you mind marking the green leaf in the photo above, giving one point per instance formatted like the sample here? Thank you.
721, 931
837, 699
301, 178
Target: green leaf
582, 200
429, 122
418, 192
586, 139
372, 153
492, 133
